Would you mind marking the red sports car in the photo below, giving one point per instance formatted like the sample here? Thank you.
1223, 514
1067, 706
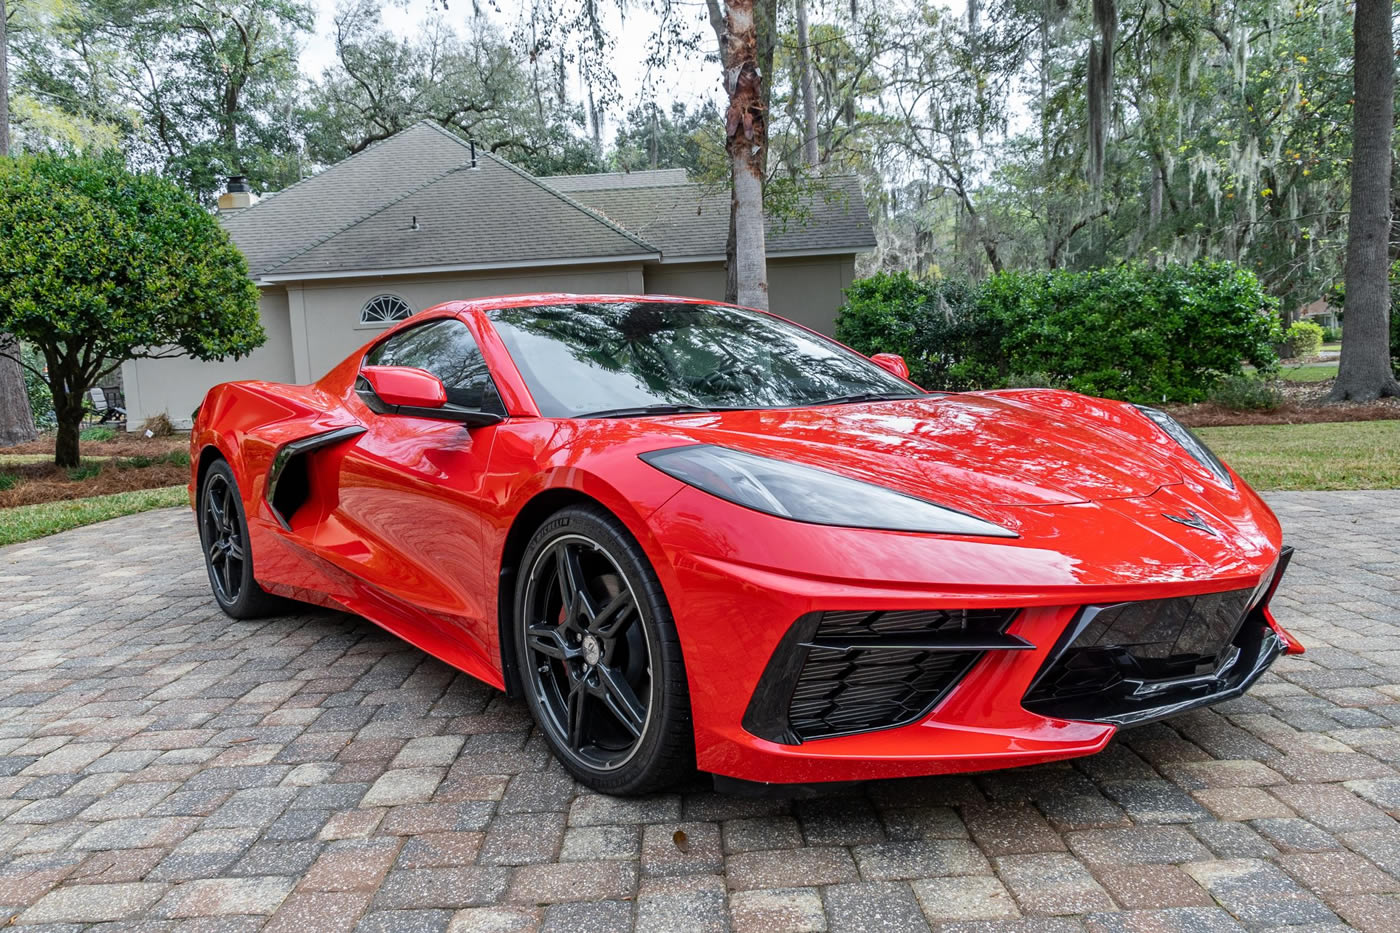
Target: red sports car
691, 534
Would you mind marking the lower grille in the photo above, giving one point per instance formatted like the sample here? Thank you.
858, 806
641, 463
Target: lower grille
838, 673
1135, 662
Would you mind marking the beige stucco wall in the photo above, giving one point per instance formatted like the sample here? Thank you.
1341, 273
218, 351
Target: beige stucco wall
312, 326
803, 289
328, 313
175, 386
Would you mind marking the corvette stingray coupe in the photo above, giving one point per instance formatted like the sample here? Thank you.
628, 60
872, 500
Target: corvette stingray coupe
694, 535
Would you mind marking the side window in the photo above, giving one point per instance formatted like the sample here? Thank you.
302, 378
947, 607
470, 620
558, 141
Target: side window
446, 349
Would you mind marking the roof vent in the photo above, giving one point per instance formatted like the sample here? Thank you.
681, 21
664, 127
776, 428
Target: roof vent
238, 194
473, 145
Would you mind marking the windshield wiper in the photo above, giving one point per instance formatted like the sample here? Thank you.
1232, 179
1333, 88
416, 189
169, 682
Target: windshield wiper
642, 410
870, 397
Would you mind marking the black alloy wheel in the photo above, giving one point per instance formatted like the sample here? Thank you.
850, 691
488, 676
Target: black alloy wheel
599, 658
223, 535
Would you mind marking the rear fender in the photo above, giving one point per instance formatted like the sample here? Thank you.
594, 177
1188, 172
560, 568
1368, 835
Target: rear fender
249, 423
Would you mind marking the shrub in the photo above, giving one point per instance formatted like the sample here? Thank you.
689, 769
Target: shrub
1304, 340
1331, 335
932, 323
1247, 393
1129, 331
1134, 332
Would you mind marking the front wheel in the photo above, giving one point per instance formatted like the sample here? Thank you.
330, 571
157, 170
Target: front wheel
223, 535
599, 658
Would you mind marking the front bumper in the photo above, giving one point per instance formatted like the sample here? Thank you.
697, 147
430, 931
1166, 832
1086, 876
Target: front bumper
734, 615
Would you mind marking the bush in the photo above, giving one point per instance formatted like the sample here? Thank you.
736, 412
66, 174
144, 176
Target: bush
1304, 340
1134, 332
932, 323
1247, 393
1130, 331
1331, 335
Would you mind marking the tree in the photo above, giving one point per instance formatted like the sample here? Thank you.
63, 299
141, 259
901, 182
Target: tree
1365, 371
99, 265
649, 137
474, 82
198, 89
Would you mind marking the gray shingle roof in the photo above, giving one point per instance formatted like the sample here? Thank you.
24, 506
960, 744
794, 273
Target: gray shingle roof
644, 179
288, 220
690, 221
493, 215
357, 215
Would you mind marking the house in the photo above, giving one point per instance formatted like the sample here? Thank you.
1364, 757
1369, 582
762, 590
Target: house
425, 217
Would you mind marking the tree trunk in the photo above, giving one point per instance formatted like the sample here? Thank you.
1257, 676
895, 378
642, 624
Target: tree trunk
4, 86
65, 448
69, 410
16, 419
1365, 372
746, 141
809, 94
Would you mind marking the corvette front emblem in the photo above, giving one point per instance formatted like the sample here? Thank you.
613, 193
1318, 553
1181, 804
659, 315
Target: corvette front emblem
1192, 520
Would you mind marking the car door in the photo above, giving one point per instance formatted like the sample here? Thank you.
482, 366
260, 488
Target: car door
408, 521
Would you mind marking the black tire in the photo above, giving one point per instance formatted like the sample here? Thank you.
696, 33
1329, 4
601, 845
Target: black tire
223, 537
587, 663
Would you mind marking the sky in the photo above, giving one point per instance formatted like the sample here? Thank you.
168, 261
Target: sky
687, 78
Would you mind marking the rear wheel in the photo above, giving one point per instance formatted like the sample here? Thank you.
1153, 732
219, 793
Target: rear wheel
599, 658
223, 534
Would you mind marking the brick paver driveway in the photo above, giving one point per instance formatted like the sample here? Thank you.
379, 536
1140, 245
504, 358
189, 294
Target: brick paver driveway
164, 767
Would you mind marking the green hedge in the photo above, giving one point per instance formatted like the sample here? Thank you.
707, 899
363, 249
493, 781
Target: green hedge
1131, 331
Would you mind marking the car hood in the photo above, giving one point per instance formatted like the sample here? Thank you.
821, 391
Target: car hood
964, 450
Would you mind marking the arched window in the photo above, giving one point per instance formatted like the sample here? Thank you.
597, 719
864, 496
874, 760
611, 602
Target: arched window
385, 309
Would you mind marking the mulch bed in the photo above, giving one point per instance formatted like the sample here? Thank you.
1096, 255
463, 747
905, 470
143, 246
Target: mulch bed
44, 482
123, 445
1305, 403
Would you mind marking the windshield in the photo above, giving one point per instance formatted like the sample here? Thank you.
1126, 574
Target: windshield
615, 357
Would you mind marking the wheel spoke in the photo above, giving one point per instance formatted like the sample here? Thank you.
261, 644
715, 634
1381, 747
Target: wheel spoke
228, 510
226, 570
620, 699
216, 552
578, 713
614, 617
573, 586
216, 511
549, 640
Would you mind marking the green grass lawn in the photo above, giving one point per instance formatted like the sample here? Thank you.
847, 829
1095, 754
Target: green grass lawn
25, 522
1340, 455
1314, 372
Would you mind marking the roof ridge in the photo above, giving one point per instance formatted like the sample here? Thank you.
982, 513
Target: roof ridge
363, 217
570, 201
264, 199
482, 151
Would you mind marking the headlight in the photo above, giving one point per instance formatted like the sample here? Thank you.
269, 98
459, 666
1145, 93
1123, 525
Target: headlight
808, 494
1193, 444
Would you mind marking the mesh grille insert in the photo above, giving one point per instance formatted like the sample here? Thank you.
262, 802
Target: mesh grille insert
874, 670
